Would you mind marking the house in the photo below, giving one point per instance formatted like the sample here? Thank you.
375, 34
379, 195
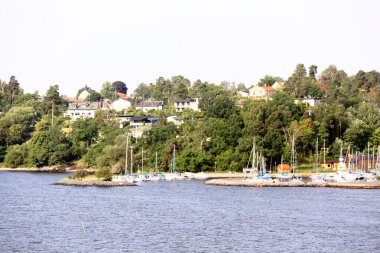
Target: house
309, 101
261, 92
186, 104
142, 120
278, 85
177, 120
84, 109
150, 105
120, 105
243, 93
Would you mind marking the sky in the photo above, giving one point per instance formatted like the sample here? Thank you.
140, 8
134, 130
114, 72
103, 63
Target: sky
73, 43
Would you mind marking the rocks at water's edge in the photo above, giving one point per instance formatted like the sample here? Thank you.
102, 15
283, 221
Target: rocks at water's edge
70, 182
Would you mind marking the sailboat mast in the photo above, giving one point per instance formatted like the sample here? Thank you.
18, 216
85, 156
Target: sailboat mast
293, 155
142, 159
156, 161
324, 152
126, 155
368, 164
131, 160
174, 159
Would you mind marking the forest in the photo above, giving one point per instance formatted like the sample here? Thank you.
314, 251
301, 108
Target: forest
34, 132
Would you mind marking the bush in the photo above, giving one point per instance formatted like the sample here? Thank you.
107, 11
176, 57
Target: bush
79, 174
17, 156
104, 173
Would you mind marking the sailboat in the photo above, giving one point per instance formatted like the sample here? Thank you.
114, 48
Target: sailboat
126, 177
293, 162
257, 170
173, 174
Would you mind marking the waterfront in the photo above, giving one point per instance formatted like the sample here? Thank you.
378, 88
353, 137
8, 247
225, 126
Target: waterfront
183, 216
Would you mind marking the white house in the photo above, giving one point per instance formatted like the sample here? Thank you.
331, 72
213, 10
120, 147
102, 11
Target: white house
150, 105
186, 104
84, 109
309, 101
120, 105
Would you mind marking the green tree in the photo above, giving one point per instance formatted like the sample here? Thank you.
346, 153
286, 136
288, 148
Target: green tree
107, 91
120, 86
85, 131
217, 103
16, 156
143, 91
270, 80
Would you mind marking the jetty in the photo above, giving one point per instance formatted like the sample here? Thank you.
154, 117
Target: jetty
248, 183
99, 183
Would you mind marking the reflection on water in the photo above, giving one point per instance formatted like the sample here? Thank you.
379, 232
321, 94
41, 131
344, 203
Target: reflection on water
183, 216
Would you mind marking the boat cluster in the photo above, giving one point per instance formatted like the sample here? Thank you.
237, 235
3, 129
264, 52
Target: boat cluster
143, 177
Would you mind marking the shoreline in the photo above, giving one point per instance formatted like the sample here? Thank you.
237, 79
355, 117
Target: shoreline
242, 183
43, 169
98, 183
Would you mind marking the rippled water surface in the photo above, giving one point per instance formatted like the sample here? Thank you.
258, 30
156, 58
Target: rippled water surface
183, 216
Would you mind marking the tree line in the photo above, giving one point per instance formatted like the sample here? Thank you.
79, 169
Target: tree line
33, 131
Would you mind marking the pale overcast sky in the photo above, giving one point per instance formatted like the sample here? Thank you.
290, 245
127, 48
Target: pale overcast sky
79, 42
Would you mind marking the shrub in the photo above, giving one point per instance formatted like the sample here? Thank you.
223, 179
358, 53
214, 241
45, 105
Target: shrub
79, 174
104, 173
16, 156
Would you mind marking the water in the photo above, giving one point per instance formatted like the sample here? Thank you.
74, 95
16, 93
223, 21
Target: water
183, 216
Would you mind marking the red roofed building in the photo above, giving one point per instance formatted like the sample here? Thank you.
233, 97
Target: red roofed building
261, 92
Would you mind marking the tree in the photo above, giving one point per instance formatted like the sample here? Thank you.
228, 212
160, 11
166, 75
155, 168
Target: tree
217, 103
143, 91
120, 86
270, 80
51, 101
241, 87
198, 88
181, 86
107, 91
357, 134
104, 173
313, 72
16, 156
85, 131
93, 96
16, 125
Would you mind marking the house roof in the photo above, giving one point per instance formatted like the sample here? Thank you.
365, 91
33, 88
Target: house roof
267, 88
185, 100
122, 95
150, 104
143, 118
264, 87
86, 105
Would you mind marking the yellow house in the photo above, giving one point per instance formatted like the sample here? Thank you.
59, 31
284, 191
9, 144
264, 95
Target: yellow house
261, 92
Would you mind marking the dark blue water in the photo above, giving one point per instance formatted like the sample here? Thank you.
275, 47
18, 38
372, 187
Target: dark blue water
183, 216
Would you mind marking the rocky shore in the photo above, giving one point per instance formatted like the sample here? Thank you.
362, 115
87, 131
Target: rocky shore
71, 182
247, 183
42, 169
